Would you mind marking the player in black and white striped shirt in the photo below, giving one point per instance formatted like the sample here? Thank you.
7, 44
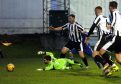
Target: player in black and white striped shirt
75, 38
101, 23
115, 43
74, 31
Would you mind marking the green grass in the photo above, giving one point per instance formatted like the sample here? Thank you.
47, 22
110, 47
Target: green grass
26, 61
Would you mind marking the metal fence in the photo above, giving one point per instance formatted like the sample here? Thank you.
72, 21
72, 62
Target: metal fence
26, 16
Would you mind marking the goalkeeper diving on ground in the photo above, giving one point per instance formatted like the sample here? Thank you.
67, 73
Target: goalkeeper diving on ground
52, 63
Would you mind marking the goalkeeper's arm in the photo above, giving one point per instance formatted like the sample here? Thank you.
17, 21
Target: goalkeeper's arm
47, 53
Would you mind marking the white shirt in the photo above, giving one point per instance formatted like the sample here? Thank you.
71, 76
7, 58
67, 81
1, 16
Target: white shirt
115, 18
101, 22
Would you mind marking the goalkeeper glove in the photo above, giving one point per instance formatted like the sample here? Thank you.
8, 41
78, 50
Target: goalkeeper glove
41, 53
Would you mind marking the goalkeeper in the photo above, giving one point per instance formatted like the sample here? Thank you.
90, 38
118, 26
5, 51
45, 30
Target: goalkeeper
53, 63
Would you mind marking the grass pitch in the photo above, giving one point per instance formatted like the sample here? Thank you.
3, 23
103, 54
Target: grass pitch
26, 61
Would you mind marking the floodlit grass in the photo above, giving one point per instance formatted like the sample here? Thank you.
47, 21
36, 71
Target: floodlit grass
26, 61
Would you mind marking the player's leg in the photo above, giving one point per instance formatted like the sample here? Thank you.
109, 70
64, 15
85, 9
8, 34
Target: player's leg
104, 63
79, 47
114, 67
96, 54
111, 67
65, 49
98, 58
118, 49
84, 59
71, 55
103, 50
118, 58
72, 52
88, 50
105, 47
108, 59
63, 52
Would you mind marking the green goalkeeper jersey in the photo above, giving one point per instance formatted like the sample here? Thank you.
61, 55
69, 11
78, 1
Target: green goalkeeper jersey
58, 64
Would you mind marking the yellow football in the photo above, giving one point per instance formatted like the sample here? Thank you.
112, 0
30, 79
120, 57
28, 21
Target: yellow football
10, 67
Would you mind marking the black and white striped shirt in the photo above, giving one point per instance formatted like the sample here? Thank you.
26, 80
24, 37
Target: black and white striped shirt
74, 31
100, 23
115, 19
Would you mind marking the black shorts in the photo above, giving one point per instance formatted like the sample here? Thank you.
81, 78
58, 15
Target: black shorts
101, 42
116, 46
77, 45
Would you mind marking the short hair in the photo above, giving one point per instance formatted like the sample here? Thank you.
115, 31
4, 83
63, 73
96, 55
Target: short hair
72, 15
47, 58
98, 7
113, 4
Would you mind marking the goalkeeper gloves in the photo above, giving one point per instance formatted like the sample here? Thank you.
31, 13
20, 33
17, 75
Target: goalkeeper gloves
41, 53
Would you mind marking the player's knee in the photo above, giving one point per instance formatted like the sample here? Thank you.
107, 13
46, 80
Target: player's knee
95, 53
64, 50
102, 51
81, 53
118, 61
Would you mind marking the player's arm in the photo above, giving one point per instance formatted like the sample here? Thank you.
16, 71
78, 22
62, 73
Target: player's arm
108, 22
90, 32
81, 29
56, 29
46, 53
59, 28
112, 24
91, 29
113, 20
51, 55
95, 23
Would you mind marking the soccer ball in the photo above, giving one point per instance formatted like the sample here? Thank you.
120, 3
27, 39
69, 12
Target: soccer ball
10, 67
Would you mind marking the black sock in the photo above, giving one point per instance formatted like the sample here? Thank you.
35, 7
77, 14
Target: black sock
99, 59
106, 57
62, 55
85, 61
98, 64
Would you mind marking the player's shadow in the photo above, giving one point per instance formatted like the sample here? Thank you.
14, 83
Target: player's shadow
84, 72
80, 72
113, 79
90, 73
